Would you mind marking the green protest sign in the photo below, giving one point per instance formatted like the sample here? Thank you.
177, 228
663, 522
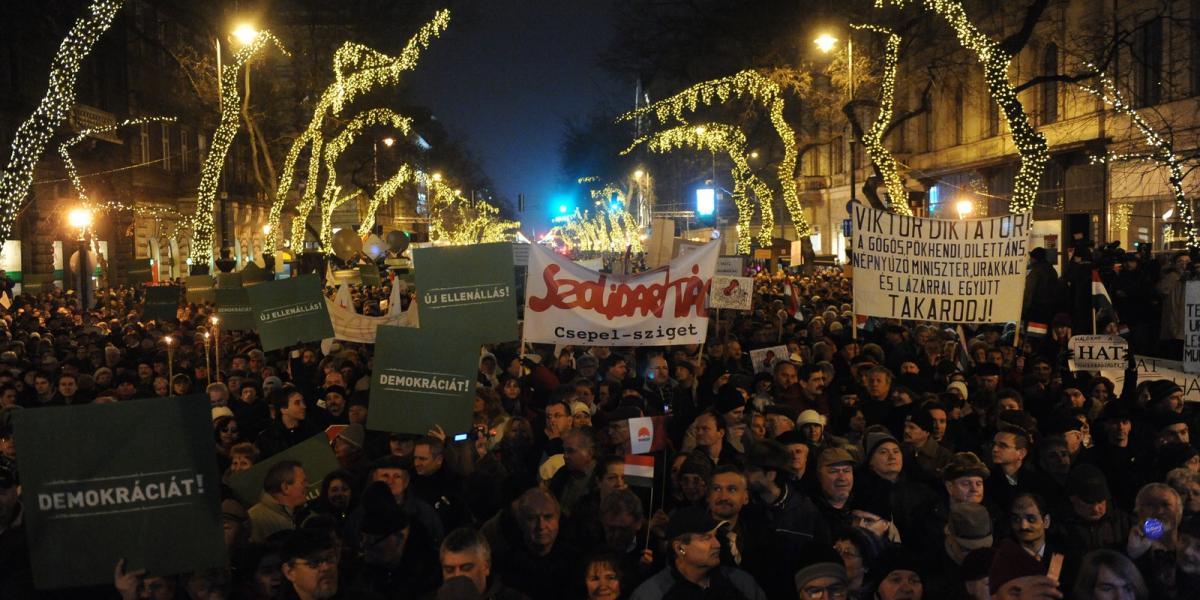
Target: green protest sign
290, 311
254, 274
422, 378
139, 271
229, 280
162, 302
200, 289
468, 289
233, 306
369, 274
134, 480
314, 454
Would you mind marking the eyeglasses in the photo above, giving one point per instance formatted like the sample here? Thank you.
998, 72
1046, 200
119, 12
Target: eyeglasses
318, 561
833, 592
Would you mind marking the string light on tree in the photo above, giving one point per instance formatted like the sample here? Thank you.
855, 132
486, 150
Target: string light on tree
727, 139
873, 138
1162, 152
31, 137
750, 84
1031, 146
388, 189
210, 172
357, 71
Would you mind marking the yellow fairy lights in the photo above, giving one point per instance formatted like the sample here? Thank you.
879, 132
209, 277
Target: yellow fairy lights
405, 174
64, 150
357, 70
607, 231
873, 138
1031, 146
201, 252
455, 220
719, 137
333, 151
742, 84
31, 137
1162, 152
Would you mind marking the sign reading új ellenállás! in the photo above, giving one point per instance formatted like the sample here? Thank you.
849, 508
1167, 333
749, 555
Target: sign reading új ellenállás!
568, 304
290, 311
1096, 352
964, 271
113, 486
422, 378
468, 289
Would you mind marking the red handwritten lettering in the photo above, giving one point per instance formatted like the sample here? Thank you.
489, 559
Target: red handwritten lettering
620, 299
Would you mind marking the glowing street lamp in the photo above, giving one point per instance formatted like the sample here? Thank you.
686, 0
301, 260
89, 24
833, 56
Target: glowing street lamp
437, 176
964, 208
825, 42
638, 174
245, 34
81, 219
388, 141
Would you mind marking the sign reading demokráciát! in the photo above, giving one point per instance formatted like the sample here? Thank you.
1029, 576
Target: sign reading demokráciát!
570, 305
964, 271
468, 290
101, 482
233, 306
315, 456
422, 378
290, 311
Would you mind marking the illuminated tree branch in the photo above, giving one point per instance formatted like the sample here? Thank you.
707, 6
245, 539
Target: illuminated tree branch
873, 138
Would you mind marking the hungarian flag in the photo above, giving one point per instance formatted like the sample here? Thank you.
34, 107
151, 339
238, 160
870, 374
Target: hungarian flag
793, 302
1036, 330
646, 435
639, 470
1101, 301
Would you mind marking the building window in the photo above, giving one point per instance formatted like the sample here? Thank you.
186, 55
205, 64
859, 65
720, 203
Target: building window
201, 148
166, 146
1148, 63
185, 157
960, 111
144, 142
1050, 88
837, 152
927, 123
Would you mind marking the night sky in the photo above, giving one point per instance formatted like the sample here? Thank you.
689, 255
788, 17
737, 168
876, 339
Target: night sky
506, 76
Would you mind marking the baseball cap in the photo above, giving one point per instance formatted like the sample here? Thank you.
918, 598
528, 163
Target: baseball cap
692, 519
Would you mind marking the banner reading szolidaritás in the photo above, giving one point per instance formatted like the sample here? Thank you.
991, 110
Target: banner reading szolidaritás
134, 480
568, 304
290, 311
468, 290
422, 377
964, 271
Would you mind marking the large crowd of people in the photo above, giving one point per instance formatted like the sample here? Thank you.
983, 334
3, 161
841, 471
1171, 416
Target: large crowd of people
878, 459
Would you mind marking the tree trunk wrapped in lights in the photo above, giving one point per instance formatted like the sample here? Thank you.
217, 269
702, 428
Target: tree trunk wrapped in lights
455, 220
1031, 146
31, 137
357, 71
201, 251
1162, 152
873, 138
386, 190
750, 84
332, 197
719, 137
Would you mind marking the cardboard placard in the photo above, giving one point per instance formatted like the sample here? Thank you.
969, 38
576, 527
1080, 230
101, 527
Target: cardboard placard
200, 289
422, 378
764, 359
1096, 352
290, 311
314, 454
234, 308
468, 289
162, 303
735, 293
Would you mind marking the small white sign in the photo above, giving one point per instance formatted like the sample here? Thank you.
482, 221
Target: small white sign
736, 293
1096, 352
764, 359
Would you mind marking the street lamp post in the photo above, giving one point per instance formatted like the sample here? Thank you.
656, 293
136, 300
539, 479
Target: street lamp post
170, 365
81, 219
826, 44
216, 329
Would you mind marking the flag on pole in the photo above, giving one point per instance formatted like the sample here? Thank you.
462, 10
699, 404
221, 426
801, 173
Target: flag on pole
646, 435
1101, 301
1036, 330
639, 470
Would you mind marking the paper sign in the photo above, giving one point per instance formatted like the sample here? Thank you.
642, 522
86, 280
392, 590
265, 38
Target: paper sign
290, 311
520, 254
134, 480
314, 455
946, 271
1096, 352
736, 293
422, 377
764, 359
1150, 369
233, 306
162, 303
1191, 327
730, 266
569, 305
468, 289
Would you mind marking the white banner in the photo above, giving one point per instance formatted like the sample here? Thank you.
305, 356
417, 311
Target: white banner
1150, 369
351, 326
736, 293
947, 271
568, 304
1096, 352
1191, 327
732, 266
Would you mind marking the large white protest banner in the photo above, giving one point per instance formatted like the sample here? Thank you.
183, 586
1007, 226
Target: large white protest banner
1097, 352
1150, 369
568, 304
964, 271
1191, 327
